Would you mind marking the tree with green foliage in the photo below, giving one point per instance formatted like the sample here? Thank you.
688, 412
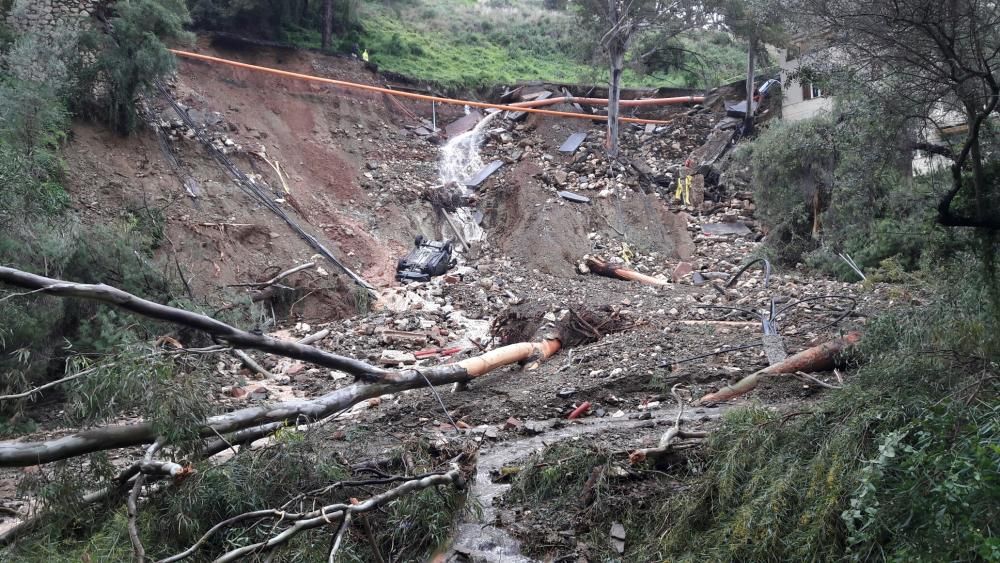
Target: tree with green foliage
277, 19
760, 23
617, 23
938, 56
131, 55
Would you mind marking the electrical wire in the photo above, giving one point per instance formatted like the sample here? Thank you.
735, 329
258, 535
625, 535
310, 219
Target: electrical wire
253, 188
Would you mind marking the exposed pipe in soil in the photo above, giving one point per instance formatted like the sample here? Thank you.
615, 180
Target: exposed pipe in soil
410, 95
603, 101
818, 358
374, 382
602, 268
510, 354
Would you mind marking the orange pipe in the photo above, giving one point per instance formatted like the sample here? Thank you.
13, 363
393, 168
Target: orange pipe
410, 95
818, 358
604, 101
578, 411
508, 355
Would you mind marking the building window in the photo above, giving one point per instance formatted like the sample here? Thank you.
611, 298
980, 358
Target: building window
811, 91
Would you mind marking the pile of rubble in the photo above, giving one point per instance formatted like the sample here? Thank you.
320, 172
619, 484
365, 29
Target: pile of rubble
212, 124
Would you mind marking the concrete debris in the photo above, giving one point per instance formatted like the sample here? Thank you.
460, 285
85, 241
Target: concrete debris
575, 198
618, 537
483, 174
573, 142
396, 358
724, 229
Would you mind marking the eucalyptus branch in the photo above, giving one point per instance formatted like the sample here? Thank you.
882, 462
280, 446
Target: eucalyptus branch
302, 521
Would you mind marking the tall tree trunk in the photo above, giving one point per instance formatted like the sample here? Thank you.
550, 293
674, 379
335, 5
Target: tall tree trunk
751, 52
976, 157
327, 22
616, 55
614, 95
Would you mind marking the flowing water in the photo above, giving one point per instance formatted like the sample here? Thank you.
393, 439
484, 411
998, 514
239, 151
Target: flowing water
460, 158
459, 162
479, 540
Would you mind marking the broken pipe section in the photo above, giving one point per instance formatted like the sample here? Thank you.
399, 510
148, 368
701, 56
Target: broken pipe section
604, 101
818, 358
602, 268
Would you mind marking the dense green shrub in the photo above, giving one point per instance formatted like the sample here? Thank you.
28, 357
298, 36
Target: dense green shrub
792, 165
900, 465
407, 529
132, 57
39, 234
843, 182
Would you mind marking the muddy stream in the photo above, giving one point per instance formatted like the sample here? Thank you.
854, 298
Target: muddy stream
477, 539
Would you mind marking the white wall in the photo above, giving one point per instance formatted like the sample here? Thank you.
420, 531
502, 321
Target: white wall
793, 106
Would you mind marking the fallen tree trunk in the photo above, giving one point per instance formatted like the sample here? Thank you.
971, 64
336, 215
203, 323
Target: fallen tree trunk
602, 268
818, 358
231, 335
20, 454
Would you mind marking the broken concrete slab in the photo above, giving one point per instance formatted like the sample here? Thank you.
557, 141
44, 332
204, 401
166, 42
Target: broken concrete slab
573, 142
618, 537
483, 174
396, 357
739, 109
463, 124
519, 115
724, 229
774, 348
697, 189
575, 198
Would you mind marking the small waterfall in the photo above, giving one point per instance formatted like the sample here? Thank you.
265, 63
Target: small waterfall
459, 162
460, 156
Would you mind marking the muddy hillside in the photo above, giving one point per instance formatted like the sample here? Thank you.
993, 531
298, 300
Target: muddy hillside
634, 265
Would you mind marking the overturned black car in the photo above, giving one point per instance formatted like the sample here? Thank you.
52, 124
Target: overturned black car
430, 258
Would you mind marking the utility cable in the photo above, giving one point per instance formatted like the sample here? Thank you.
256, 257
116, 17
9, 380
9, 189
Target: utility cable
253, 188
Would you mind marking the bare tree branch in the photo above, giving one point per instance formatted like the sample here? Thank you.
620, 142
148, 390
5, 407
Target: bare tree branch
233, 336
300, 522
278, 277
20, 454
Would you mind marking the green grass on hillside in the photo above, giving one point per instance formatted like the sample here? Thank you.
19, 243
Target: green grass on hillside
469, 44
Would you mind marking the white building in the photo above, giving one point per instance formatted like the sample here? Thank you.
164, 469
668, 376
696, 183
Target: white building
800, 101
945, 126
